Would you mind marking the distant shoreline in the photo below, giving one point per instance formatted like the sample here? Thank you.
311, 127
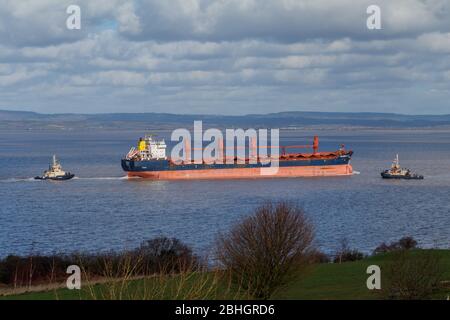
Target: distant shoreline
286, 120
141, 129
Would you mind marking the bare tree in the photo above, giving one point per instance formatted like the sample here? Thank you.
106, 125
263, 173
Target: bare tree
267, 249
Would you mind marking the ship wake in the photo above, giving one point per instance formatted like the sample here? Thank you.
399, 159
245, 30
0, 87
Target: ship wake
101, 178
16, 180
12, 180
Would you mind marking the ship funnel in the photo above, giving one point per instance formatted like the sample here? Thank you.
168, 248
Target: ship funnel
316, 144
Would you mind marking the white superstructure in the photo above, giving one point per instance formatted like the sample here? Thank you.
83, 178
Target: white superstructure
157, 148
396, 169
149, 149
54, 169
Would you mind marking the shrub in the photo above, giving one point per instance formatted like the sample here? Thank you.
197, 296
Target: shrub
267, 249
23, 271
345, 254
156, 256
319, 257
405, 243
166, 255
413, 275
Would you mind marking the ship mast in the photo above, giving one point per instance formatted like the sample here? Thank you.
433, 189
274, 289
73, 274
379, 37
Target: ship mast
395, 165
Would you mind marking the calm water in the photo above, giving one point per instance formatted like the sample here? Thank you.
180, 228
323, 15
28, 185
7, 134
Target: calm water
102, 210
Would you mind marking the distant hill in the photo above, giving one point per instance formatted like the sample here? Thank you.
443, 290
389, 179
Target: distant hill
33, 120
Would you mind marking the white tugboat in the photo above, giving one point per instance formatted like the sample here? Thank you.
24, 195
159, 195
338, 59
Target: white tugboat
55, 172
397, 172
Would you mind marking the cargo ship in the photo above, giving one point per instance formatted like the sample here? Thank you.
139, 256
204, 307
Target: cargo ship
149, 160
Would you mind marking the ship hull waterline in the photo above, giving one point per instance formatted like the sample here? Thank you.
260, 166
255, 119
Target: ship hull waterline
245, 173
57, 178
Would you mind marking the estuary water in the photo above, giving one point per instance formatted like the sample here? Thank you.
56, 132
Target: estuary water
102, 210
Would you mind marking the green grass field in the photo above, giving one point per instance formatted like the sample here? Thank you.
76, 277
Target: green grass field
324, 281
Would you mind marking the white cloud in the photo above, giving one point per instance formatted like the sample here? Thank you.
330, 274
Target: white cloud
10, 76
435, 42
129, 22
225, 56
284, 20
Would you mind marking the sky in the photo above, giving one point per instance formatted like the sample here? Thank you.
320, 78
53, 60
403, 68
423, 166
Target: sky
225, 56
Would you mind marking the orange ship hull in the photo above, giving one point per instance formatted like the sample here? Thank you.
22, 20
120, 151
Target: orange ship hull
246, 173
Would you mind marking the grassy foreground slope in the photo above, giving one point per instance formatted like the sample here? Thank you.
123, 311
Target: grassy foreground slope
325, 281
